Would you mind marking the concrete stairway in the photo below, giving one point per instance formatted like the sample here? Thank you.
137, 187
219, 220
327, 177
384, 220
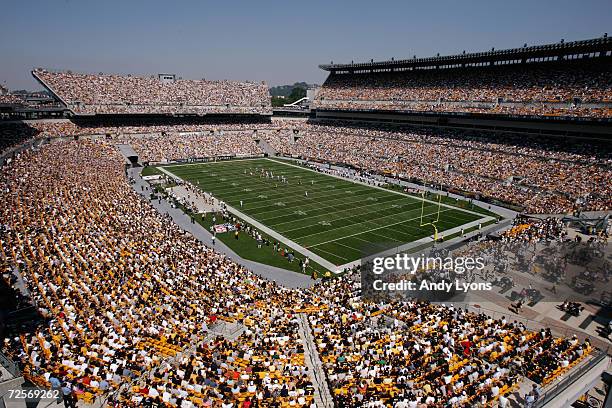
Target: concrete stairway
265, 146
323, 397
5, 394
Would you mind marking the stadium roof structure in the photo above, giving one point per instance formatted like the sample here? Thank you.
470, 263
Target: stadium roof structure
596, 47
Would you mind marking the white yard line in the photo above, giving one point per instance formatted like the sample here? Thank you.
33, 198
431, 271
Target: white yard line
237, 190
211, 162
348, 246
351, 225
320, 260
378, 187
341, 195
363, 232
327, 214
332, 254
368, 221
169, 173
413, 244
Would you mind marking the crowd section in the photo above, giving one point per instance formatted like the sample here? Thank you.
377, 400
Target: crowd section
526, 229
418, 354
10, 99
542, 175
120, 94
124, 290
12, 134
172, 147
568, 88
62, 128
130, 300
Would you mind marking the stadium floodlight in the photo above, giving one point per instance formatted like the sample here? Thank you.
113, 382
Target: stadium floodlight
432, 223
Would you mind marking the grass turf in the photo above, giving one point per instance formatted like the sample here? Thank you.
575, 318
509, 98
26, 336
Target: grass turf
340, 221
150, 171
246, 247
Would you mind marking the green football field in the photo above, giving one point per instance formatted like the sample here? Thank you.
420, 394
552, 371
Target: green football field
339, 220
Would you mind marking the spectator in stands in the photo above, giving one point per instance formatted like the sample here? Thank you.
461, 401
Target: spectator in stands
549, 89
119, 94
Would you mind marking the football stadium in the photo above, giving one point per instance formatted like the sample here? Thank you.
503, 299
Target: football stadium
416, 232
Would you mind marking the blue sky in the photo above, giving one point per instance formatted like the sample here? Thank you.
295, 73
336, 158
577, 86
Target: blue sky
276, 41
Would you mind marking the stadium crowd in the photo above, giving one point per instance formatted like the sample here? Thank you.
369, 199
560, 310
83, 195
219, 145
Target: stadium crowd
418, 354
10, 99
527, 229
13, 133
120, 94
62, 128
86, 246
7, 98
532, 109
131, 301
569, 88
172, 147
544, 176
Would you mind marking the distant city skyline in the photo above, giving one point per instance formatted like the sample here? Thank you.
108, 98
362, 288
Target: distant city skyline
273, 41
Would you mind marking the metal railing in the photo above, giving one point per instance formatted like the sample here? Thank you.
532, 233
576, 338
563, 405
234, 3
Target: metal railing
555, 390
10, 366
530, 324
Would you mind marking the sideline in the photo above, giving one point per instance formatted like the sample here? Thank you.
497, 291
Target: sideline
281, 276
322, 261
